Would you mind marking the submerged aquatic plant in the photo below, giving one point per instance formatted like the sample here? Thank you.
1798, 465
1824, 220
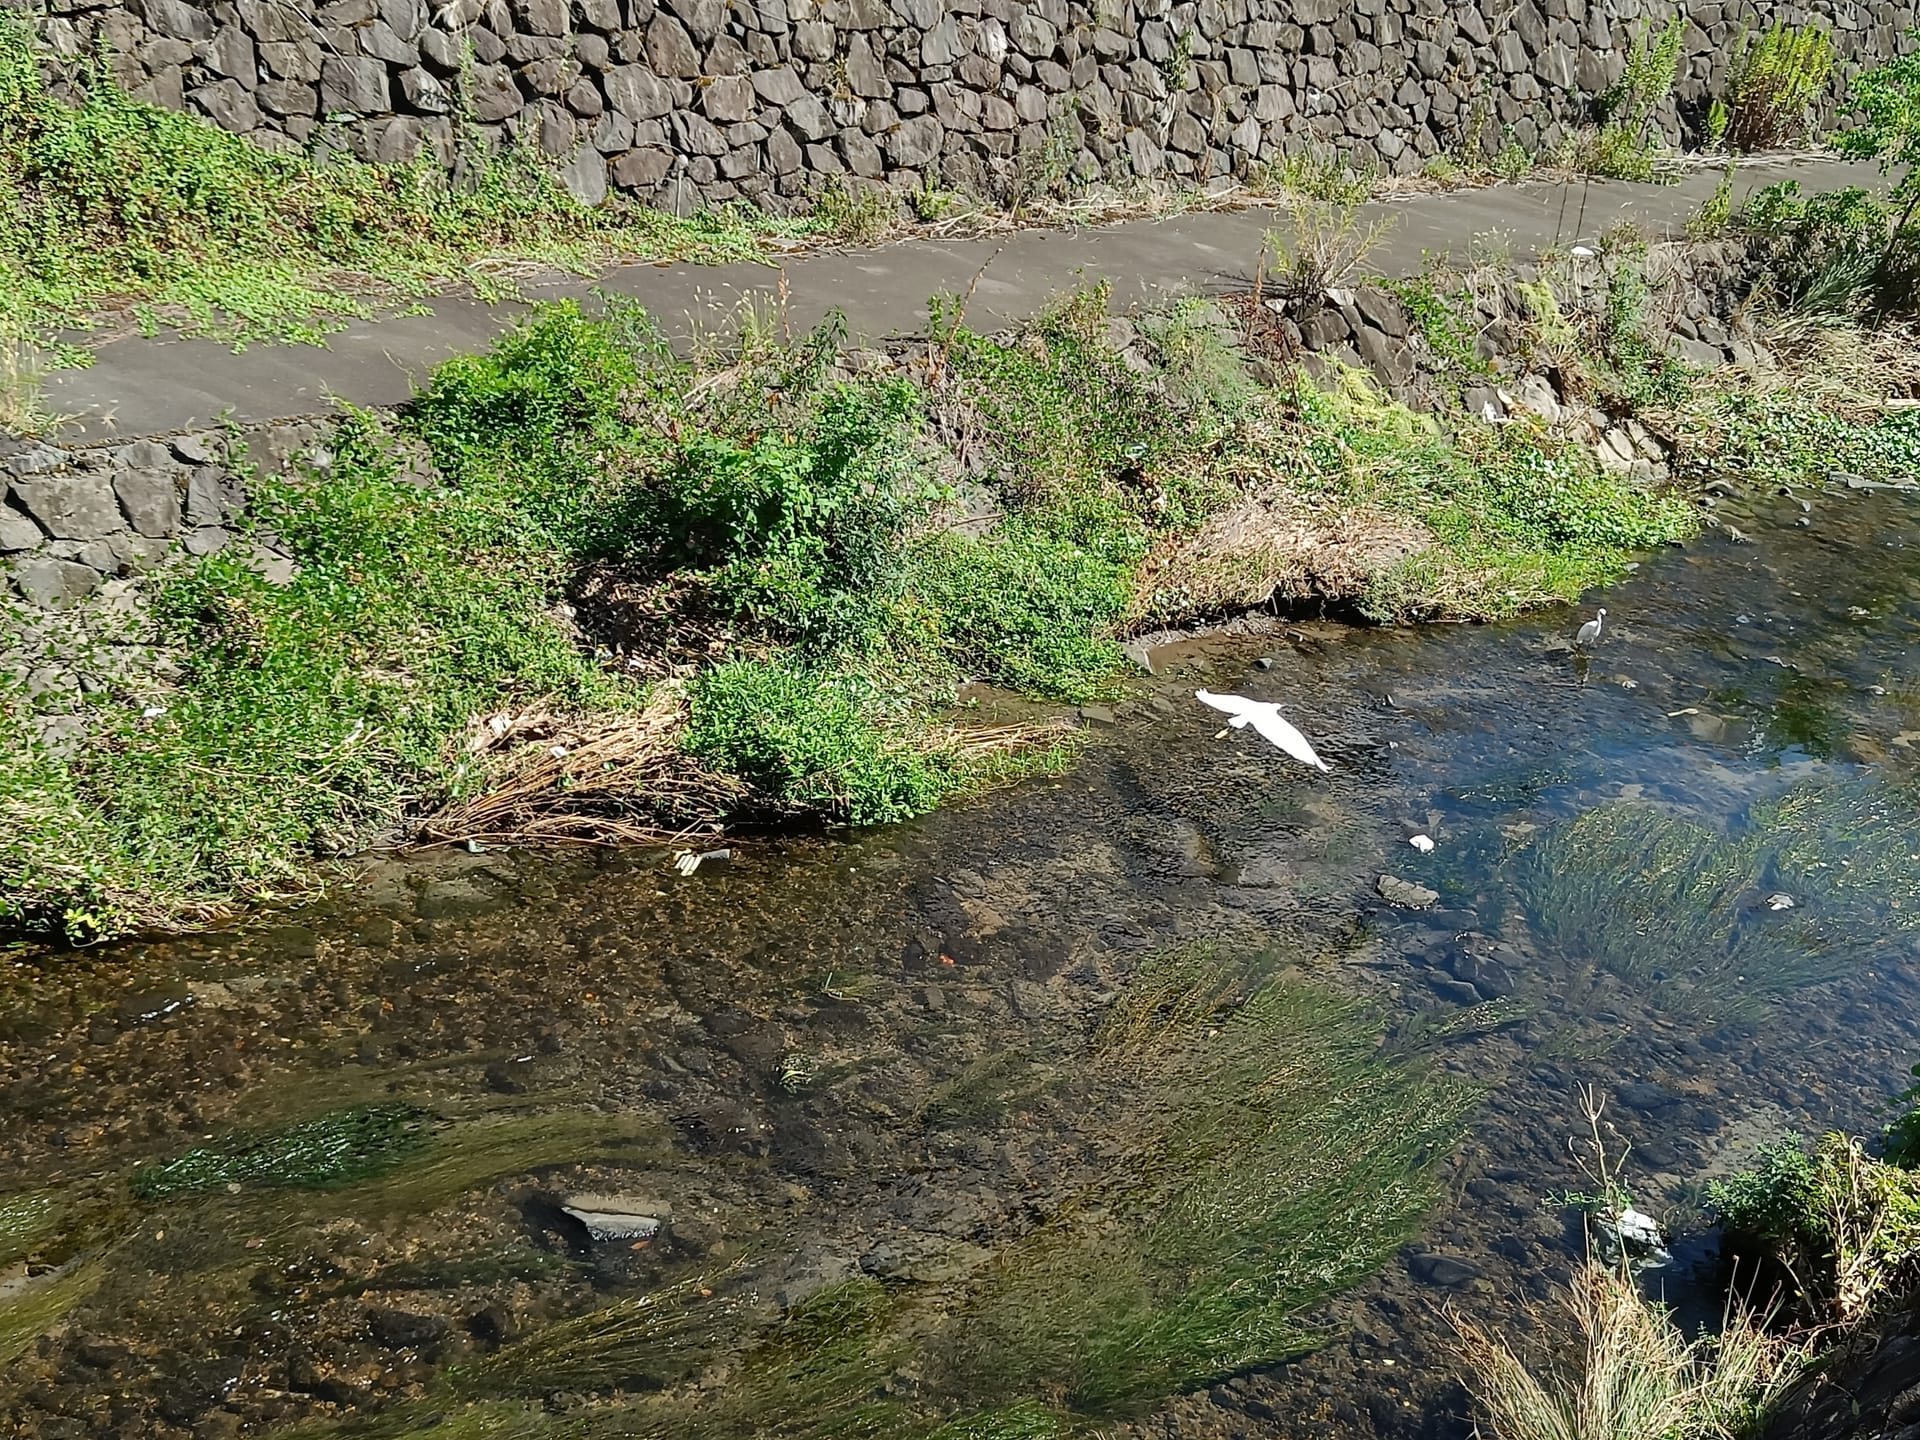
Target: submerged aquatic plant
1665, 903
1266, 1155
329, 1150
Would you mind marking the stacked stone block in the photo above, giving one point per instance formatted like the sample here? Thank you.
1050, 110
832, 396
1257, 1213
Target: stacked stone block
686, 103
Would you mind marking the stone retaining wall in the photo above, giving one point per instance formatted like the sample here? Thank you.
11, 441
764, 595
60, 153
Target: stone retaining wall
694, 102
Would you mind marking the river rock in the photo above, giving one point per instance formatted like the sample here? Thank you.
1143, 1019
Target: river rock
611, 1217
1405, 893
404, 1329
1459, 992
1646, 1098
1488, 976
1449, 1272
453, 896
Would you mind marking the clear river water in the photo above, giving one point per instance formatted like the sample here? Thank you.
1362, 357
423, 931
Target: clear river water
1131, 1100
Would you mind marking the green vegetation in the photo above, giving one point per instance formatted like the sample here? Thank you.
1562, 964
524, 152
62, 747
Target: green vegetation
1626, 145
1825, 254
1635, 1373
1516, 516
1266, 1155
648, 593
1886, 103
119, 208
325, 1152
1772, 85
1669, 905
1842, 1226
1786, 437
1438, 306
1901, 1142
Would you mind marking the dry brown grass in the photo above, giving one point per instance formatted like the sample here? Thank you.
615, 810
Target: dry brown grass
1856, 371
1273, 545
625, 780
603, 780
1632, 1374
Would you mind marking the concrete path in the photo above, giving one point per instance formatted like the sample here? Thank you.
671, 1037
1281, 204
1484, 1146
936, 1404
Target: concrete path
150, 387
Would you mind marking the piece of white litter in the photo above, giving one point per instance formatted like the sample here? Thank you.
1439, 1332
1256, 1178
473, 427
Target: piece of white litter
1780, 902
1581, 252
1422, 843
153, 712
688, 861
558, 752
1266, 721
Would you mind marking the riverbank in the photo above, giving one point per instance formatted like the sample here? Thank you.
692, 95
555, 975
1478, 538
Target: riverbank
584, 589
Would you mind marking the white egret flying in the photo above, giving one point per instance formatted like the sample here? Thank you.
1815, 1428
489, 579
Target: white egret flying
1590, 631
1267, 721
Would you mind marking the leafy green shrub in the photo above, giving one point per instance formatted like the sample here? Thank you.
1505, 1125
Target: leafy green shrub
1886, 102
813, 741
1023, 609
1845, 1227
1774, 1199
1821, 254
1901, 1144
310, 715
1083, 442
802, 532
1772, 86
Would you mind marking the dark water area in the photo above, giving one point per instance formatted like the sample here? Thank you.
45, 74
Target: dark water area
944, 1059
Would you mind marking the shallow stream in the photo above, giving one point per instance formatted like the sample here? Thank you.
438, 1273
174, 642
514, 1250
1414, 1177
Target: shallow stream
1125, 1099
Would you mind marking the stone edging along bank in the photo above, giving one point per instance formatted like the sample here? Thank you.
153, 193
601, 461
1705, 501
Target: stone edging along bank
688, 103
80, 526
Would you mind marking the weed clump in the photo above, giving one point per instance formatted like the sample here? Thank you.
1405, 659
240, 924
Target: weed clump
1840, 1225
814, 742
1635, 1373
1772, 86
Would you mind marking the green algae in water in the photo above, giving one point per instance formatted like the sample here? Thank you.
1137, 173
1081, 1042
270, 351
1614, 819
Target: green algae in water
1266, 1157
1276, 1160
34, 1309
323, 1153
26, 1220
1665, 902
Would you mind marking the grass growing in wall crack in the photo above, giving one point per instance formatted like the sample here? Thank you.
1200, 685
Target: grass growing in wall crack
120, 212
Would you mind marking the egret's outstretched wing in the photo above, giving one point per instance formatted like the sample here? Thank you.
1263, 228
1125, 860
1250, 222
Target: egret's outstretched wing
1232, 704
1277, 729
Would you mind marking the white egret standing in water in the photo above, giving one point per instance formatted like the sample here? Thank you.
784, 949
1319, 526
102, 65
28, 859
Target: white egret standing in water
1267, 721
1590, 631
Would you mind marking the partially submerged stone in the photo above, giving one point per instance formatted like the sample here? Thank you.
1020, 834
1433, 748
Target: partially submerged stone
1405, 893
610, 1217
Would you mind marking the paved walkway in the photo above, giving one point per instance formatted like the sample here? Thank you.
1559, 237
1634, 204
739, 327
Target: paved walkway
149, 387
